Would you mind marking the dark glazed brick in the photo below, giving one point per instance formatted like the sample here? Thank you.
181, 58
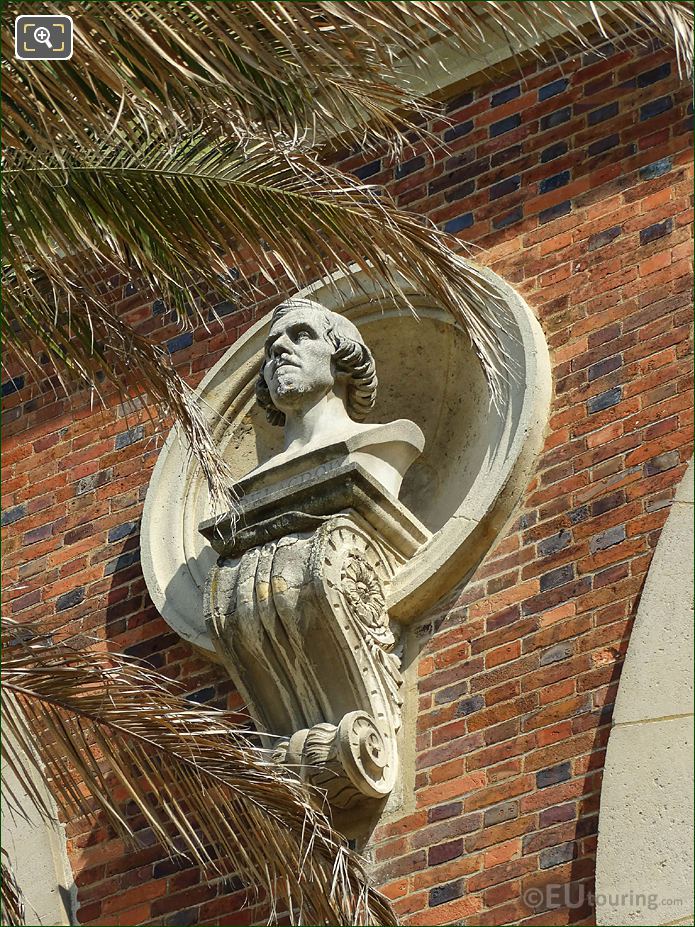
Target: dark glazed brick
504, 187
202, 695
551, 90
500, 813
137, 433
443, 852
656, 231
443, 893
553, 151
222, 309
183, 918
185, 340
368, 170
601, 114
13, 514
554, 212
70, 599
603, 144
604, 238
505, 125
554, 543
122, 531
451, 693
460, 170
459, 223
578, 515
443, 812
120, 563
154, 645
661, 463
609, 538
458, 131
408, 167
457, 193
556, 118
611, 501
507, 154
129, 289
611, 397
12, 386
556, 653
651, 77
553, 774
469, 705
159, 307
92, 482
557, 815
169, 866
656, 168
546, 600
598, 54
37, 534
504, 96
655, 108
464, 99
554, 182
509, 219
558, 577
555, 856
605, 366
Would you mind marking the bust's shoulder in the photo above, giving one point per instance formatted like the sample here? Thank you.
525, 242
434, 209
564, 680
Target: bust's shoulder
400, 430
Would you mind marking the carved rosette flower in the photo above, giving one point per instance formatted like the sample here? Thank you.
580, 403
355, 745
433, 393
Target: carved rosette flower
363, 591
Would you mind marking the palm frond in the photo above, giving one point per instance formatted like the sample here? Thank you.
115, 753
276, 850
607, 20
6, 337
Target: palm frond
13, 910
153, 208
80, 334
298, 69
101, 731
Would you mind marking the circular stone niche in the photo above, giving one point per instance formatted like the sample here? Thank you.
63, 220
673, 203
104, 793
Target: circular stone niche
476, 461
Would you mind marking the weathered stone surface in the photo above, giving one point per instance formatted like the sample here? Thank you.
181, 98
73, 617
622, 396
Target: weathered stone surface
647, 801
296, 603
462, 487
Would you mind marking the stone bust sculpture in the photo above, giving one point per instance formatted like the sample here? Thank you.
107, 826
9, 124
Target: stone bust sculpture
318, 380
296, 604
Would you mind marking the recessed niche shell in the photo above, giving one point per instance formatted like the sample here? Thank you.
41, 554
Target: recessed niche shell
477, 459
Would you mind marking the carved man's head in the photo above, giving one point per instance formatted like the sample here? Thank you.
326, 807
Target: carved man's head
310, 351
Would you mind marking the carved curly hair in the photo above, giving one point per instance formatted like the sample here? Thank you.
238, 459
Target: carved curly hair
351, 356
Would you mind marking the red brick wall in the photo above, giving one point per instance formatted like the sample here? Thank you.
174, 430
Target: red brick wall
573, 181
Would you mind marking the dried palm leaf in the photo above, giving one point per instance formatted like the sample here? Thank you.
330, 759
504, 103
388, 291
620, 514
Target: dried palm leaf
79, 333
300, 69
102, 730
152, 209
141, 72
13, 911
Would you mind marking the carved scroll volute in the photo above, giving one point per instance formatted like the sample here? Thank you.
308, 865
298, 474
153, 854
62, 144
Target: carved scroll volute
350, 573
301, 624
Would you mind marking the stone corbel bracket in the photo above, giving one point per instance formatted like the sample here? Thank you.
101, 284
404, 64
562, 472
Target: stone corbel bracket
296, 609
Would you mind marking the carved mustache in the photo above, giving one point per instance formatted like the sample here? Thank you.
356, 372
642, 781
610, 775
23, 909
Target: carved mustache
284, 362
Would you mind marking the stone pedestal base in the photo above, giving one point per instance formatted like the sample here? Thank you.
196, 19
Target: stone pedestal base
296, 608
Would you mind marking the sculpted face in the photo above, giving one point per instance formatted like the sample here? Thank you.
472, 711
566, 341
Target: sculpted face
299, 366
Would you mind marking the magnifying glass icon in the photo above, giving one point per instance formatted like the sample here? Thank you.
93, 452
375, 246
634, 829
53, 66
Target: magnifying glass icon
42, 35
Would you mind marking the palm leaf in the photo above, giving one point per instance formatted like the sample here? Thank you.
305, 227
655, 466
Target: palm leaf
151, 209
13, 910
301, 69
101, 731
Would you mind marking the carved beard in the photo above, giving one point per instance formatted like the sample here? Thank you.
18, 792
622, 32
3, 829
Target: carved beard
289, 381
